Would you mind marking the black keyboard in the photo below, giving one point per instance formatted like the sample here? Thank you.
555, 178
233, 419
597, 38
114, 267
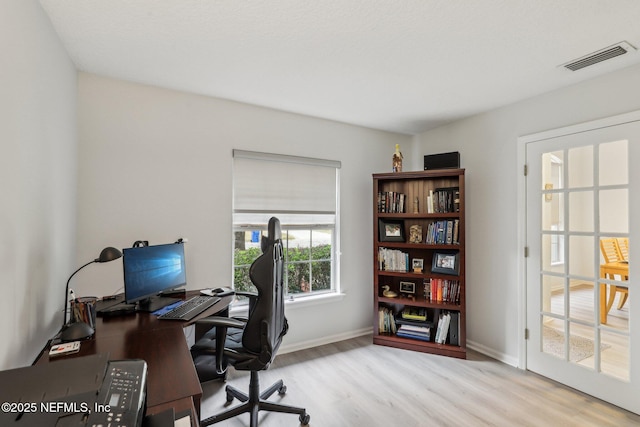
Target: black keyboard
190, 308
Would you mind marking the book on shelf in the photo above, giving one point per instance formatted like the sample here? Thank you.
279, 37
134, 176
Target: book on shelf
454, 328
443, 200
386, 321
442, 329
414, 313
391, 202
392, 260
449, 239
444, 290
443, 232
455, 239
414, 332
448, 328
411, 322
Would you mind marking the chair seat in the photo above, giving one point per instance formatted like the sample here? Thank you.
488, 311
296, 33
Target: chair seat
203, 353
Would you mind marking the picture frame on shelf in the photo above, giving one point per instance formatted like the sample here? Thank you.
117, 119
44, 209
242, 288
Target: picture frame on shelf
445, 263
391, 230
407, 287
417, 264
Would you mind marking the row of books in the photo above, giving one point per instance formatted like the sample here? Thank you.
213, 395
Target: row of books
443, 200
422, 333
448, 328
444, 328
393, 260
391, 202
443, 233
386, 321
444, 290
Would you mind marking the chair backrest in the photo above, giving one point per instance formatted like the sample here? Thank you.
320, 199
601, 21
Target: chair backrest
610, 250
623, 245
266, 323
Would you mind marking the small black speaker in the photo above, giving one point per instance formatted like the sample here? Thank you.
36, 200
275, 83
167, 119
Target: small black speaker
442, 161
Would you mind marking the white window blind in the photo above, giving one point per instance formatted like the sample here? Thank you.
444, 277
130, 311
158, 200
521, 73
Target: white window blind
286, 185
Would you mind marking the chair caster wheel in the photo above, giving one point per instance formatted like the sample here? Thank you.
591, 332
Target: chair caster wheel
282, 390
304, 419
229, 398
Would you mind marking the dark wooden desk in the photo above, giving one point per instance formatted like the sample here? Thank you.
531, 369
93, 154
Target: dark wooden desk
172, 380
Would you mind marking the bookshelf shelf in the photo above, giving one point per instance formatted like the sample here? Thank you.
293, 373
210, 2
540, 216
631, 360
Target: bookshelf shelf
429, 304
411, 209
419, 215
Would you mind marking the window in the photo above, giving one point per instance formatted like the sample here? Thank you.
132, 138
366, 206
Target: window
303, 193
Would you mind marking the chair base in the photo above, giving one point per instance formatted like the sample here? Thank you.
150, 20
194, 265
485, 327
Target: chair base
255, 402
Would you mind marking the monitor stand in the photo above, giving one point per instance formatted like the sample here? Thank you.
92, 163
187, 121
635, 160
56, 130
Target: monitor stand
154, 303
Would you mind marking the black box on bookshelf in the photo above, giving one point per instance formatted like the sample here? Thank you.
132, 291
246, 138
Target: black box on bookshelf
442, 161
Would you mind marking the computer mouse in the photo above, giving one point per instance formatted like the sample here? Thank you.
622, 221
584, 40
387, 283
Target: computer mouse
219, 290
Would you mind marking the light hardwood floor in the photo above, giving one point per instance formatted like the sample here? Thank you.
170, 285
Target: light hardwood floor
354, 383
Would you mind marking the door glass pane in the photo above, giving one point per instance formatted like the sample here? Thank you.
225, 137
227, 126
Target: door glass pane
614, 211
581, 345
553, 253
581, 256
613, 168
614, 354
553, 212
553, 294
552, 170
581, 167
581, 301
553, 337
581, 211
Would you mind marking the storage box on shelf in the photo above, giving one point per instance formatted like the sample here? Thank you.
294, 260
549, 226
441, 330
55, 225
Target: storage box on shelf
419, 261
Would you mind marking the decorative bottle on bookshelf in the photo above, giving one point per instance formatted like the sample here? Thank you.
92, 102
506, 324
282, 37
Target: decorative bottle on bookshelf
397, 159
419, 261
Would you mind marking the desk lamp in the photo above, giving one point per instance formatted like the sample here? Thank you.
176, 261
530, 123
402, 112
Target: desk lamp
80, 330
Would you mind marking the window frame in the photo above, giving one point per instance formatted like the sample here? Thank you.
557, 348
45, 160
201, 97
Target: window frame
244, 220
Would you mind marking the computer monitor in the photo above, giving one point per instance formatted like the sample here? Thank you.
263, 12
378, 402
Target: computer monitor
150, 270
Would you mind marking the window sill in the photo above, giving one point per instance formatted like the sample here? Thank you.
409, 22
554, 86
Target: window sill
328, 298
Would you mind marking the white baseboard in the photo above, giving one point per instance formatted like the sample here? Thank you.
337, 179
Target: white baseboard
509, 360
289, 348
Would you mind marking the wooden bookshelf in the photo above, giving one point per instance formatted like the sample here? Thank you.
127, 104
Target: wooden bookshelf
394, 252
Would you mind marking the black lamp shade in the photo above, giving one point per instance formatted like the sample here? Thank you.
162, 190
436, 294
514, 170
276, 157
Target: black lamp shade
109, 254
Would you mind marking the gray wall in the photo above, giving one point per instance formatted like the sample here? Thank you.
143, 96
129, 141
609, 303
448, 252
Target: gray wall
489, 150
37, 180
155, 164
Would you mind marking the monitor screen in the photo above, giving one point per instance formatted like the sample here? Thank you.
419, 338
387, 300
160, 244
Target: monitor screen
149, 270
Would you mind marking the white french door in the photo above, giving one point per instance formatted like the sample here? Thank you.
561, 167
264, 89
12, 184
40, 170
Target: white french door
581, 189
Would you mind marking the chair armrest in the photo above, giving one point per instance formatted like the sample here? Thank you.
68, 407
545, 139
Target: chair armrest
247, 294
253, 298
225, 322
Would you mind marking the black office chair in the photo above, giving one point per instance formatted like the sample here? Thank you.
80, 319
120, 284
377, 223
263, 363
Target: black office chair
261, 335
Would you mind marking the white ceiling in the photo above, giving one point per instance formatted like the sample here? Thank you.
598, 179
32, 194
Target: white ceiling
398, 65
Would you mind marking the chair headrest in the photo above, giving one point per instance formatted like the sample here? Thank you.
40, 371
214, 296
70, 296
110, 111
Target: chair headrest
273, 233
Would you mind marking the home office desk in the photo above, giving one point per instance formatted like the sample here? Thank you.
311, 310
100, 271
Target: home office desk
172, 381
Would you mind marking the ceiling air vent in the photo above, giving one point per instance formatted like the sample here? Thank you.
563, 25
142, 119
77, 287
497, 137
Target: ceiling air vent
599, 56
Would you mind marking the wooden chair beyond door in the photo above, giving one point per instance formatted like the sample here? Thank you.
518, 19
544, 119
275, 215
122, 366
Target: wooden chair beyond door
615, 263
